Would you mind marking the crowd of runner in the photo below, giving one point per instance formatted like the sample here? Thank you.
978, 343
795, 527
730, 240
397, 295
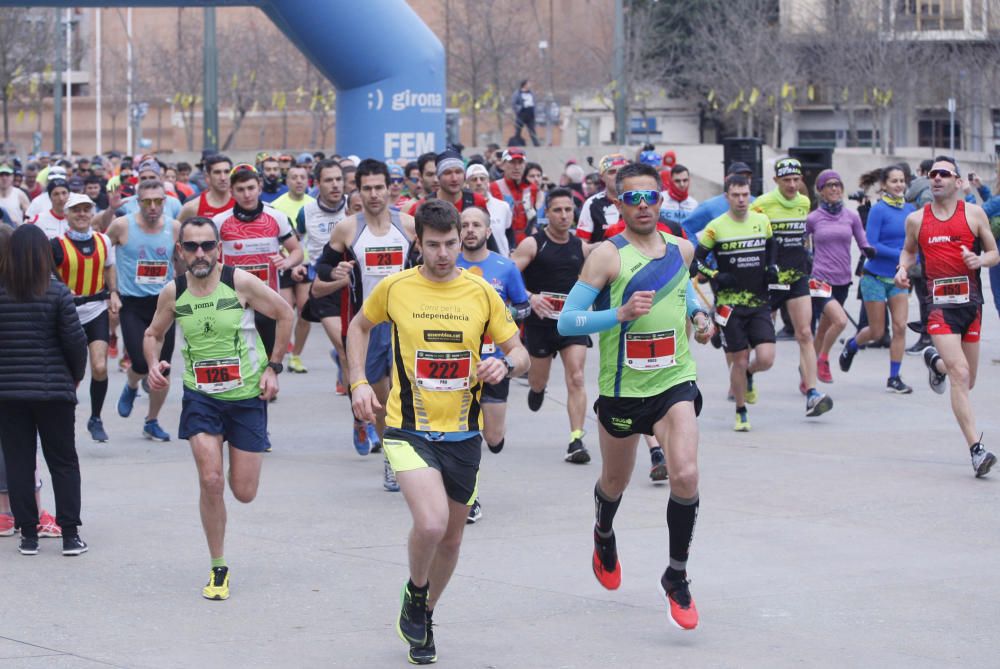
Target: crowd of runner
438, 280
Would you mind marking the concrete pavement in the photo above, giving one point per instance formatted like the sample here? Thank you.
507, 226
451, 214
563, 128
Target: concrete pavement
857, 539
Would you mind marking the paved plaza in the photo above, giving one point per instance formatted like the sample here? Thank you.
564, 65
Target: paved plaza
859, 539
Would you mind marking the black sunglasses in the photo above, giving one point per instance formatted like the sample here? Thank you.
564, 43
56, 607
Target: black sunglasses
192, 247
943, 173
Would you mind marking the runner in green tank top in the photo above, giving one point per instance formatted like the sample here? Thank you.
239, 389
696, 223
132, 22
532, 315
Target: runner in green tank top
228, 380
638, 284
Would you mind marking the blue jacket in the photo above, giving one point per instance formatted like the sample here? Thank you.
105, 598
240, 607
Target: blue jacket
886, 232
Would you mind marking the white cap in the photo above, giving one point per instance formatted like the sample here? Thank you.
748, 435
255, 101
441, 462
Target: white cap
57, 170
76, 199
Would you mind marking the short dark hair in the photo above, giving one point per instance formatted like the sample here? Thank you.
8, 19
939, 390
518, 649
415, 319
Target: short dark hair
319, 155
424, 158
270, 159
239, 176
183, 166
410, 166
371, 167
26, 268
325, 164
946, 159
215, 159
438, 215
198, 221
736, 180
149, 184
299, 166
92, 179
679, 168
557, 192
926, 165
636, 170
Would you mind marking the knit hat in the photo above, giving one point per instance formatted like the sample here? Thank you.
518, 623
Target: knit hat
825, 177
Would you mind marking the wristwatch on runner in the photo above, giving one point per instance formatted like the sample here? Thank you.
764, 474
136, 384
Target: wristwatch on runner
510, 367
276, 367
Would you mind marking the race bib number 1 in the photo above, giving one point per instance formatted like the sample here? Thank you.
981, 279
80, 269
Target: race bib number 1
557, 300
217, 376
952, 290
443, 370
151, 271
383, 260
722, 314
650, 350
819, 288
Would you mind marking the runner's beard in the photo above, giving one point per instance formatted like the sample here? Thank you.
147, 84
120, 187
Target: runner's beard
478, 246
202, 268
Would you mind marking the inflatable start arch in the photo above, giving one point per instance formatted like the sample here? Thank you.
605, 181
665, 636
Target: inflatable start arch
387, 66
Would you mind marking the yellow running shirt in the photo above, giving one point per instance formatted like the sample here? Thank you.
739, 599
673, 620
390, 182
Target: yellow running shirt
437, 335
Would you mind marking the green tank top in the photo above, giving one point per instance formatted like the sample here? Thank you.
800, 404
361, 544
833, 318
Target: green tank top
646, 356
788, 222
223, 354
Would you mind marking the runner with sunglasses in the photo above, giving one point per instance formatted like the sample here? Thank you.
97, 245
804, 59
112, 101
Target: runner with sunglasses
787, 209
144, 258
955, 242
638, 284
550, 261
746, 254
228, 379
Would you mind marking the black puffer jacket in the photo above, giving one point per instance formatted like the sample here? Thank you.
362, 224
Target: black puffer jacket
43, 350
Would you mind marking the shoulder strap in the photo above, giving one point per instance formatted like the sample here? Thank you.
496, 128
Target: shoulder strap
228, 276
181, 284
468, 199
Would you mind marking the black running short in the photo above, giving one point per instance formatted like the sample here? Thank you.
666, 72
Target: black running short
839, 293
965, 320
746, 328
135, 316
98, 329
318, 308
495, 393
544, 341
458, 461
798, 288
625, 416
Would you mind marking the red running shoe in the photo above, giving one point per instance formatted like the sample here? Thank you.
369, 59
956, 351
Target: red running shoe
606, 553
113, 346
683, 612
47, 526
6, 525
823, 370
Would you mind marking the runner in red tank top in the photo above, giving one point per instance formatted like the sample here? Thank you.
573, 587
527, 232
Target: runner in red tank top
955, 241
218, 198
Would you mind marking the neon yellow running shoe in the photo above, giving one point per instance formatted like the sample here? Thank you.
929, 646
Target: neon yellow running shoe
295, 365
218, 584
742, 423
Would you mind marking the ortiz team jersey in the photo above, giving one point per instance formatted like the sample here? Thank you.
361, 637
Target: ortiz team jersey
788, 222
438, 330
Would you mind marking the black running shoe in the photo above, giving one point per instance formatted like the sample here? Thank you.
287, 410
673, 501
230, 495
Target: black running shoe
424, 653
577, 453
475, 513
896, 385
934, 378
412, 621
74, 546
918, 348
846, 358
28, 546
535, 399
657, 465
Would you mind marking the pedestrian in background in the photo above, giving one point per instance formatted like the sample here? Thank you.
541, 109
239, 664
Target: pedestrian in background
43, 356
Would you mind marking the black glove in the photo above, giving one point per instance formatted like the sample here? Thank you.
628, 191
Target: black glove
869, 252
771, 273
726, 280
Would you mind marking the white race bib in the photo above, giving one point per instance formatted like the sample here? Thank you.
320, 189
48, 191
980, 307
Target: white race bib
443, 370
650, 350
217, 376
951, 290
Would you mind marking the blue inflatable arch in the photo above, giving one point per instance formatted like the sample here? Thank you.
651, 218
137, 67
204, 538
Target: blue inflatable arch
387, 66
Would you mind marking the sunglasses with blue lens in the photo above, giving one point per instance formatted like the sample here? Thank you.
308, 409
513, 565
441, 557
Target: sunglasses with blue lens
632, 198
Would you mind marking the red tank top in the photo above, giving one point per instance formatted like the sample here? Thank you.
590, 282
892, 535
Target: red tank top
207, 210
949, 282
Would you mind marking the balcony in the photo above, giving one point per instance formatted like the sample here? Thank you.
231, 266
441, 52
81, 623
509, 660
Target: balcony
934, 20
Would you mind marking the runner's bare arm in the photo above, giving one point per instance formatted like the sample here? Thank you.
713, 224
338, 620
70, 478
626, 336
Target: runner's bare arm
514, 350
363, 399
115, 230
295, 255
908, 256
524, 253
188, 210
152, 340
409, 225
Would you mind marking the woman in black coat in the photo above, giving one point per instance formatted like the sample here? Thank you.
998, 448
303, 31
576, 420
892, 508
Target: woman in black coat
43, 356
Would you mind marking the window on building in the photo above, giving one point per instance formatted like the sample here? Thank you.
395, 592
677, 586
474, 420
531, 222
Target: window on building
817, 138
996, 122
923, 15
936, 132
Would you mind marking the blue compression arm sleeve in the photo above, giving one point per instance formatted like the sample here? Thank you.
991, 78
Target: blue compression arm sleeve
694, 305
575, 318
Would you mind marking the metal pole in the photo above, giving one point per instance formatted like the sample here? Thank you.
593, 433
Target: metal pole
211, 87
97, 76
57, 93
621, 113
69, 82
129, 100
951, 124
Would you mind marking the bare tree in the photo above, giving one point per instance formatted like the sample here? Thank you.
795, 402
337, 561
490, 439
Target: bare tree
27, 36
180, 73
